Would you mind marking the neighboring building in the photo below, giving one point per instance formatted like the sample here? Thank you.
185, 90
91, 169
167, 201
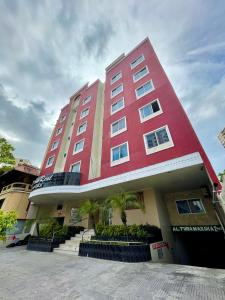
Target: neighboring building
15, 187
133, 134
221, 137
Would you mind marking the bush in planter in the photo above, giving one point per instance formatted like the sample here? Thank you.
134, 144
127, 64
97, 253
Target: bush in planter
131, 232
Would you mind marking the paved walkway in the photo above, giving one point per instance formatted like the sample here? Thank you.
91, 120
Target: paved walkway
38, 275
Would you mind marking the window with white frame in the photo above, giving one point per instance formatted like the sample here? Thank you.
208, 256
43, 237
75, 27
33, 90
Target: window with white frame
86, 100
78, 147
84, 113
63, 118
144, 89
82, 128
75, 167
116, 77
59, 130
50, 161
150, 110
117, 90
190, 206
55, 145
118, 126
119, 154
157, 140
140, 74
118, 105
137, 61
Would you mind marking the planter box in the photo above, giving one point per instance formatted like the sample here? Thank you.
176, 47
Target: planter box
128, 238
128, 252
43, 244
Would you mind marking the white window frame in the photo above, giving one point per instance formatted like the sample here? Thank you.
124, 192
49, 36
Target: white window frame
114, 76
134, 63
62, 118
120, 108
84, 123
47, 164
53, 148
121, 160
59, 131
87, 100
75, 152
82, 117
76, 163
153, 88
142, 120
161, 147
191, 213
121, 130
112, 96
145, 67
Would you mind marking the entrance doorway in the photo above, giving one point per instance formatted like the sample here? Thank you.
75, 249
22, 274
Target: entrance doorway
204, 249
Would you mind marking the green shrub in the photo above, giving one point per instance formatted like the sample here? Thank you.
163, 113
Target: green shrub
132, 232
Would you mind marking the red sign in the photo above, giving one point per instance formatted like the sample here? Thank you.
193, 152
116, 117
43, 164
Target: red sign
160, 245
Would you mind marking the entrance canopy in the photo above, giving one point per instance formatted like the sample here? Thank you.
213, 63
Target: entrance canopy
183, 173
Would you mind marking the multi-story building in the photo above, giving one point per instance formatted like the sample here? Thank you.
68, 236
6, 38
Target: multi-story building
15, 187
132, 134
221, 137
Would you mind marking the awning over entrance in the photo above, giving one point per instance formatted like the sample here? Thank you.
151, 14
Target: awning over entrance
183, 173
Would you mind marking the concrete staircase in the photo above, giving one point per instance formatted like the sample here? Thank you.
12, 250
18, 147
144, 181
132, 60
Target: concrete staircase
72, 246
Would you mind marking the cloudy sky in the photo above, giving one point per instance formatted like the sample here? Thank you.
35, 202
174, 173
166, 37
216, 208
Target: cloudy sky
48, 49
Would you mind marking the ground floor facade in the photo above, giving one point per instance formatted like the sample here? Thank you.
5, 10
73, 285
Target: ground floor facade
187, 219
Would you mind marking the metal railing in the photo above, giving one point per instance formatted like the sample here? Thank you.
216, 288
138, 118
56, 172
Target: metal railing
16, 186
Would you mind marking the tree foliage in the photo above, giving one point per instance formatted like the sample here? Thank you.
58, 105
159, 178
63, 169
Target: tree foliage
7, 221
7, 159
91, 208
123, 201
221, 176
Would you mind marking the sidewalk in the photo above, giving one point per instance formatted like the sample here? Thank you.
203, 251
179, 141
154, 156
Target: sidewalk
38, 275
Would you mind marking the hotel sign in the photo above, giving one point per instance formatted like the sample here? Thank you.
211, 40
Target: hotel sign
38, 183
204, 228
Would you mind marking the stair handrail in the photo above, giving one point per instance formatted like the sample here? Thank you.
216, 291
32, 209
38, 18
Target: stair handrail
53, 234
84, 233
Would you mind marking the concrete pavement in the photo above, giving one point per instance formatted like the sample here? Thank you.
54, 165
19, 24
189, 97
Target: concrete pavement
38, 275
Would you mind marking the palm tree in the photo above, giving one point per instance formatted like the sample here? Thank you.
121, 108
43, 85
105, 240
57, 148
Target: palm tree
123, 201
91, 208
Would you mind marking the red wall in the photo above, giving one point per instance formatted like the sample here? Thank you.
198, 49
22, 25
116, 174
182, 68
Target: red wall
65, 111
184, 138
83, 156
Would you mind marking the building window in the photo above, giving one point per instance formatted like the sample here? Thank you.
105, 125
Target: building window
140, 74
119, 154
117, 90
150, 110
59, 130
75, 167
82, 128
118, 105
191, 206
50, 161
144, 89
137, 61
78, 147
118, 127
55, 145
84, 113
63, 118
59, 207
86, 100
157, 140
116, 77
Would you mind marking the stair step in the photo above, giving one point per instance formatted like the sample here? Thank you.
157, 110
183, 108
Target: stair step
61, 251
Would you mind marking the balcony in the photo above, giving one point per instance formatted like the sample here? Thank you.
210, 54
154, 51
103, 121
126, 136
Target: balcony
56, 179
16, 187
